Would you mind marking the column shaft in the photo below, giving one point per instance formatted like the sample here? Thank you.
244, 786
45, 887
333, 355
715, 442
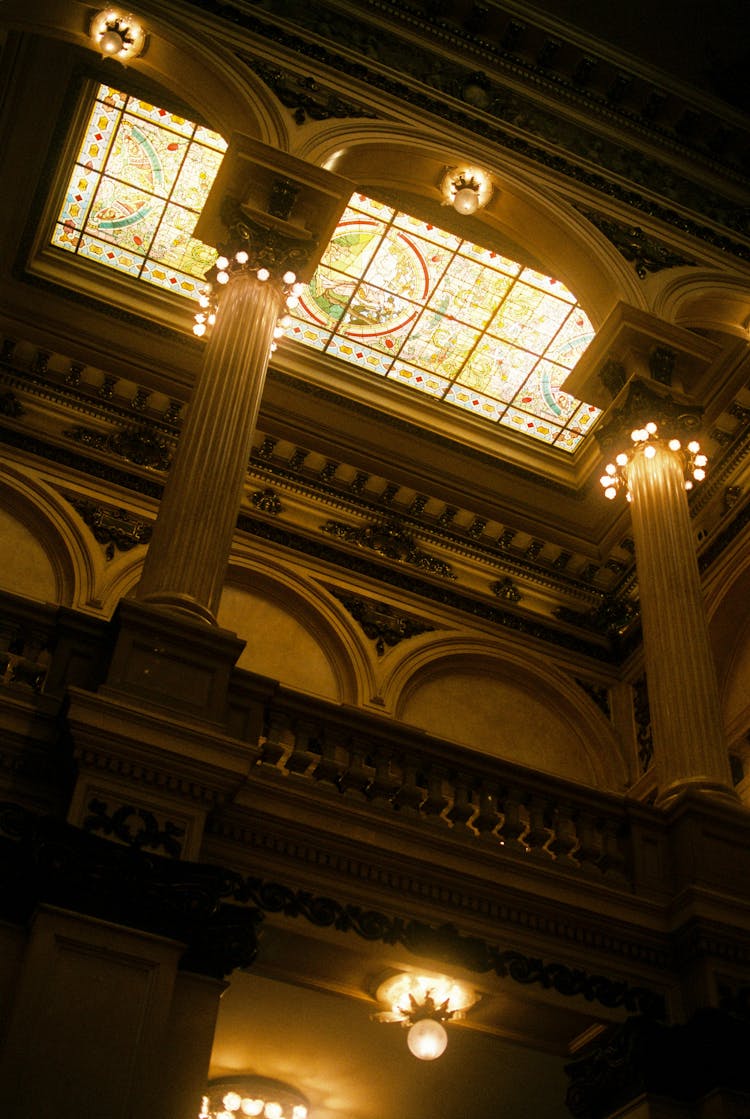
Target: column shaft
685, 714
187, 558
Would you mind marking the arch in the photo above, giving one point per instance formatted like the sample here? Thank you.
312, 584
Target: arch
44, 552
703, 300
195, 69
314, 648
408, 162
510, 706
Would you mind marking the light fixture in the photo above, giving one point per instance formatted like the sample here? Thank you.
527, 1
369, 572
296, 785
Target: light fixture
421, 1004
647, 441
223, 270
234, 1097
117, 34
466, 189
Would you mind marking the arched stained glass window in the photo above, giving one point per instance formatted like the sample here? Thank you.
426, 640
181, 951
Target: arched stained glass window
139, 183
419, 306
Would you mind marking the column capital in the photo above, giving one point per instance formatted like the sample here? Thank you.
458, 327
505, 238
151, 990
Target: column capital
279, 209
636, 345
641, 402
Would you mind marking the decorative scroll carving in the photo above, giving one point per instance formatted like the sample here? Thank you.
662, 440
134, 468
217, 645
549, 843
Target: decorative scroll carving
268, 501
141, 445
134, 826
611, 617
646, 253
266, 246
389, 539
381, 623
444, 942
305, 97
507, 590
111, 526
643, 403
642, 716
599, 695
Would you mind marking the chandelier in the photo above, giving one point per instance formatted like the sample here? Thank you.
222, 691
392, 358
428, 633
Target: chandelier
421, 1004
117, 34
647, 441
235, 1097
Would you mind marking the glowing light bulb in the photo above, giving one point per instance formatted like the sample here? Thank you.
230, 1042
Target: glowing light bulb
263, 274
635, 435
289, 277
203, 301
466, 200
610, 493
610, 468
694, 447
211, 319
278, 331
299, 1111
701, 460
649, 450
674, 444
292, 302
222, 277
605, 480
241, 257
297, 289
699, 474
688, 484
273, 1111
199, 329
111, 42
222, 263
427, 1039
622, 459
232, 1101
651, 427
252, 1107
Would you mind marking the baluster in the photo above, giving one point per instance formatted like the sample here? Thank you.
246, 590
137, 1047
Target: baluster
330, 766
612, 859
513, 824
435, 802
277, 729
462, 809
383, 785
487, 817
356, 778
410, 795
538, 832
590, 847
306, 744
565, 836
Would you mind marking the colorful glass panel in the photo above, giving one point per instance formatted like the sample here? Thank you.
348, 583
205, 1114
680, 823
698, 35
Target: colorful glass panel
449, 319
140, 180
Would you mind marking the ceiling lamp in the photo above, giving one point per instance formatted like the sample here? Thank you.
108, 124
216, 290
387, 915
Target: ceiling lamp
466, 189
646, 441
234, 1097
117, 34
421, 1004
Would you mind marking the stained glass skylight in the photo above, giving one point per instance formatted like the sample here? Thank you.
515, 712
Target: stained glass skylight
416, 305
140, 180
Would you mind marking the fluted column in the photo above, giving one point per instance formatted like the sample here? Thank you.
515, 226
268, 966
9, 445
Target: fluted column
690, 750
187, 558
271, 216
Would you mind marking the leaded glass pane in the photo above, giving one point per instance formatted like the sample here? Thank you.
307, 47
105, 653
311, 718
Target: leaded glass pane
141, 178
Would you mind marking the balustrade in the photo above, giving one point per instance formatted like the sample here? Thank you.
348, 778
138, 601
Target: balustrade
401, 771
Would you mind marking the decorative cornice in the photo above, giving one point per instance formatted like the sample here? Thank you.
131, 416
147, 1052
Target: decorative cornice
646, 253
390, 540
306, 98
492, 110
445, 943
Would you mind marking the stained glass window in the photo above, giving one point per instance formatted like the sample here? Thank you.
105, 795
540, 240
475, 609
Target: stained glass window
138, 185
416, 305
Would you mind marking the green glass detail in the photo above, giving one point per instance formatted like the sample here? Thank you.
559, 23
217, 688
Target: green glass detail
141, 177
